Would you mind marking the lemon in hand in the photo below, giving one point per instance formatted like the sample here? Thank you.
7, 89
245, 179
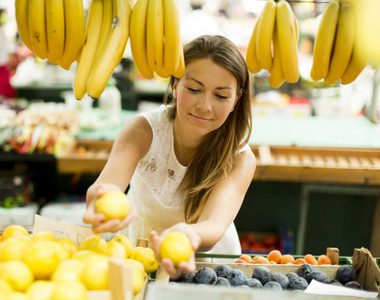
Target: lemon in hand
113, 204
176, 246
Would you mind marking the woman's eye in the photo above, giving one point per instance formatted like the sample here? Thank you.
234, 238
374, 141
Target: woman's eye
221, 96
193, 90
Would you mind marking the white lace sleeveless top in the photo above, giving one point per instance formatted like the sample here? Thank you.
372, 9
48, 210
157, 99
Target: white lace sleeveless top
154, 187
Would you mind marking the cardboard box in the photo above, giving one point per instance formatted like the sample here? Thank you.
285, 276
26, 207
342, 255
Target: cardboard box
120, 276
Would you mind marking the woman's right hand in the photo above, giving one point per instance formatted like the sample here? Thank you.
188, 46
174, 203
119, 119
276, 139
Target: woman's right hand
96, 220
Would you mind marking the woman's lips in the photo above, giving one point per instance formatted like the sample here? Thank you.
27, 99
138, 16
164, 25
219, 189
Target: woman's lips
200, 119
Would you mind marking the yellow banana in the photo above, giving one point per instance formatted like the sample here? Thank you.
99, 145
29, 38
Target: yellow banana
138, 38
287, 38
172, 38
155, 34
265, 34
75, 27
324, 41
37, 27
92, 35
105, 28
356, 65
252, 62
276, 79
181, 66
343, 45
55, 28
113, 50
21, 9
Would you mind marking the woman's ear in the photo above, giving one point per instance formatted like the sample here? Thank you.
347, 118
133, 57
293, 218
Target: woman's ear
236, 100
174, 88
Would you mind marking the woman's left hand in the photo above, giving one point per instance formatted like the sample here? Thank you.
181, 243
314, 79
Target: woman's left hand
185, 266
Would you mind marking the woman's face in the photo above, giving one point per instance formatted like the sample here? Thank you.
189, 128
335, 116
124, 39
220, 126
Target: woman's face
206, 95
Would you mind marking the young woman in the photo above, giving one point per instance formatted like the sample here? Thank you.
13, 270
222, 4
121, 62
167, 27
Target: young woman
188, 163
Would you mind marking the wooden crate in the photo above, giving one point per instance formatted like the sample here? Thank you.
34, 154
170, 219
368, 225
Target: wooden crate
274, 163
313, 164
368, 272
85, 156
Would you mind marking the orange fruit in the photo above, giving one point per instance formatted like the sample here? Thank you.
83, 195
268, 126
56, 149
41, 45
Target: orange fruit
246, 257
274, 255
324, 260
310, 259
300, 261
262, 260
287, 258
255, 258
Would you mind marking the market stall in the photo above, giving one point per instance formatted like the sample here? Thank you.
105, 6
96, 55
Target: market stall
82, 69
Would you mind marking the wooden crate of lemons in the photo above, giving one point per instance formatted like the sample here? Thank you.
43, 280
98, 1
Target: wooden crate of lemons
44, 266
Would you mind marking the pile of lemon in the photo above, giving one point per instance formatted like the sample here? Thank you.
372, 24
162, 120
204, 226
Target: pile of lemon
40, 266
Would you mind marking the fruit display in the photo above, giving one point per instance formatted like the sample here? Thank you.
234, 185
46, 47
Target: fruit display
155, 38
276, 25
42, 128
40, 266
336, 56
275, 257
263, 277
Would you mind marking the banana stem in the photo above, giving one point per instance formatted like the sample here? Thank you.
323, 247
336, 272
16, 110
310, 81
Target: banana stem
373, 114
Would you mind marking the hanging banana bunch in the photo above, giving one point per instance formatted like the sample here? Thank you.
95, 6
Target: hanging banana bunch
107, 34
273, 44
155, 38
52, 29
335, 55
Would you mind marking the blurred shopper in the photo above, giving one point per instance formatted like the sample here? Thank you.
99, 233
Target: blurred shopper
199, 22
6, 90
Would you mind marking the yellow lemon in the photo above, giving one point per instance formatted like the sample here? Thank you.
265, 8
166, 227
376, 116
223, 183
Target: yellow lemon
41, 290
176, 246
83, 254
115, 249
43, 236
12, 231
94, 243
5, 287
42, 258
139, 274
72, 289
13, 249
113, 204
17, 274
18, 296
69, 245
136, 264
70, 269
62, 253
146, 257
95, 272
126, 242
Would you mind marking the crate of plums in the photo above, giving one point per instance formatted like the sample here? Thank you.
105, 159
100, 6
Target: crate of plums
350, 276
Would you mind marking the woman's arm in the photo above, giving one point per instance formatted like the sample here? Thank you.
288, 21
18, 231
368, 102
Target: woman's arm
224, 202
219, 212
131, 144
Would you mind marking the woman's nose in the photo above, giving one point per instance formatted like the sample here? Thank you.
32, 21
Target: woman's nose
204, 102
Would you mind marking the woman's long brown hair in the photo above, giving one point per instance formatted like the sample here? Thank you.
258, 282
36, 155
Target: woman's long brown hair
217, 155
